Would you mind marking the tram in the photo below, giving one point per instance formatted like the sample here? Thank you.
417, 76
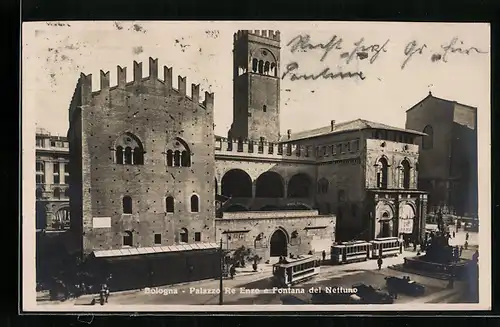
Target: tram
352, 251
386, 246
292, 271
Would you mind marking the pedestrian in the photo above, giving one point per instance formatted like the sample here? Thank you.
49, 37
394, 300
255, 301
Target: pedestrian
414, 246
460, 251
453, 234
101, 295
467, 236
106, 293
232, 271
323, 254
466, 245
379, 262
475, 256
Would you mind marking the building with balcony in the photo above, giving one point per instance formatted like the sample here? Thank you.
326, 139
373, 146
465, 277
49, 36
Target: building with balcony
52, 181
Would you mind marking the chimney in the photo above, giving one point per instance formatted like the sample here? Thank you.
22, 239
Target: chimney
332, 125
289, 133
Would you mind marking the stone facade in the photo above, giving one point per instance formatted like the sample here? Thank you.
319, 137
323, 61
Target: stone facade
52, 179
277, 232
448, 154
149, 171
147, 160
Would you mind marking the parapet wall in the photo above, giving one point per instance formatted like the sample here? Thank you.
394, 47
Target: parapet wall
269, 34
247, 148
270, 214
85, 83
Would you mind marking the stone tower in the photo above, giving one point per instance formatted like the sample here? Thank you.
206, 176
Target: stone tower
256, 85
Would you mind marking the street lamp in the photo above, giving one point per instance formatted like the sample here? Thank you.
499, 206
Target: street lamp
221, 297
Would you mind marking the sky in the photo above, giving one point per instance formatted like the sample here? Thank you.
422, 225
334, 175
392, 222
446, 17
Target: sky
55, 53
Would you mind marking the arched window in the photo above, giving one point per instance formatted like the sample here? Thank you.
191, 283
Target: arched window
138, 158
255, 64
184, 236
428, 140
169, 203
129, 150
128, 155
323, 186
66, 193
119, 155
177, 158
266, 68
382, 172
128, 238
274, 71
57, 193
185, 159
178, 153
195, 203
405, 174
39, 193
170, 158
127, 205
261, 66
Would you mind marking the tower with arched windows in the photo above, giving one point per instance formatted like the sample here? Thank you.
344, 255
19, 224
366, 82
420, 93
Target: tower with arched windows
256, 85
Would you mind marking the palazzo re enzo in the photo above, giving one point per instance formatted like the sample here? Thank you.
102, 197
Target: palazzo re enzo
149, 176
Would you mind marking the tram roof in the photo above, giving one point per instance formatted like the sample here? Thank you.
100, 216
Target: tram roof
343, 244
289, 262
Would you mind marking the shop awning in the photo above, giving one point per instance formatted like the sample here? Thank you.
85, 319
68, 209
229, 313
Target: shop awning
154, 249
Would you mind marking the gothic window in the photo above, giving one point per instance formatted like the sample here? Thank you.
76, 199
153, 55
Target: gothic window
323, 186
382, 172
266, 67
404, 171
184, 236
178, 154
195, 203
127, 205
428, 140
274, 71
128, 150
255, 64
261, 66
169, 204
128, 239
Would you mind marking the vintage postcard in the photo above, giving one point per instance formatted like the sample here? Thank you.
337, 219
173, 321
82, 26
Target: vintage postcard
255, 166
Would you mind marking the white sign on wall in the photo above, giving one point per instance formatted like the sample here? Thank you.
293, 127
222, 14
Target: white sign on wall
101, 222
406, 226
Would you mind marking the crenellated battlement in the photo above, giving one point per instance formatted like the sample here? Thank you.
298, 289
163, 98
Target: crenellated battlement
269, 34
248, 148
85, 83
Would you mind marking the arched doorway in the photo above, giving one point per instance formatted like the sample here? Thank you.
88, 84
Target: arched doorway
385, 230
278, 244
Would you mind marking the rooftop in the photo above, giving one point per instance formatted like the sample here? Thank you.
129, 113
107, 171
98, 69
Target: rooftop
441, 99
353, 125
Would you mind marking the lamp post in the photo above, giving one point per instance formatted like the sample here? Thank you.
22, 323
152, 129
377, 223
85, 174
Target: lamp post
221, 296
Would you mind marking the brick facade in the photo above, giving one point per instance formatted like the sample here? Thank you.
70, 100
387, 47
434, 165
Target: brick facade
448, 155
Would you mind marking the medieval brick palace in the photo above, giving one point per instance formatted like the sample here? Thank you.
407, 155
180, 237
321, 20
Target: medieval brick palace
149, 176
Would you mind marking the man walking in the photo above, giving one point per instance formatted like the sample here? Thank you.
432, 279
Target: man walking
379, 262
